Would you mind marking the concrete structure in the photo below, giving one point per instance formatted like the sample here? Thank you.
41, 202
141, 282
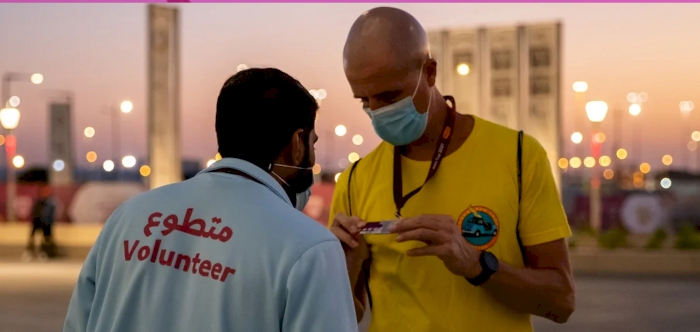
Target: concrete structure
61, 143
509, 75
164, 135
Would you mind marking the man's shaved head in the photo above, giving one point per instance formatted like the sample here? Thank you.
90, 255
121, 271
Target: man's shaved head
385, 37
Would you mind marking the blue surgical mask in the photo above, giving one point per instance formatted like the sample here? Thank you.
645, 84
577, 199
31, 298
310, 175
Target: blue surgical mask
303, 199
400, 123
306, 177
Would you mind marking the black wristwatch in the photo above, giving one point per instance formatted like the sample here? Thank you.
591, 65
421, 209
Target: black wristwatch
489, 266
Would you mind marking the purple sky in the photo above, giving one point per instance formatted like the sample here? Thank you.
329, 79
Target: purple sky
99, 52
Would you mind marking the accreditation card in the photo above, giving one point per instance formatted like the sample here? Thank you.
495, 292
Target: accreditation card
377, 227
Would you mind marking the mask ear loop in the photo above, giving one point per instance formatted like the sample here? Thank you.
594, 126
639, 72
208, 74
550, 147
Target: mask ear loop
418, 84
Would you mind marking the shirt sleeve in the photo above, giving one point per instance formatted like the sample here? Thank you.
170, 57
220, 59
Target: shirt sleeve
542, 216
83, 294
318, 292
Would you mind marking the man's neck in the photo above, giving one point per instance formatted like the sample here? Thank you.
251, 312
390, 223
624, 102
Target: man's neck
425, 145
423, 148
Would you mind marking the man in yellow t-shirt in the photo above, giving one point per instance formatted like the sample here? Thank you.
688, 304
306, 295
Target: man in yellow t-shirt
480, 242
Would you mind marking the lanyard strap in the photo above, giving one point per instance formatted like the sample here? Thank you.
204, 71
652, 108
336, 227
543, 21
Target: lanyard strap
440, 150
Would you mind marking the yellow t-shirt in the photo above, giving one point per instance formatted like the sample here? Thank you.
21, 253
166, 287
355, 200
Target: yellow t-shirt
477, 186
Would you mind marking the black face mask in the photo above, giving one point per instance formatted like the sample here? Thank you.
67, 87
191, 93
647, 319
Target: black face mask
298, 185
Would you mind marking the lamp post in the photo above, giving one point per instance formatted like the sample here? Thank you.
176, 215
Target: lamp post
686, 107
9, 118
596, 111
580, 88
125, 107
9, 77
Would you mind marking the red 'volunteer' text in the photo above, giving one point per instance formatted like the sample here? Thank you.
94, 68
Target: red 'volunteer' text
183, 262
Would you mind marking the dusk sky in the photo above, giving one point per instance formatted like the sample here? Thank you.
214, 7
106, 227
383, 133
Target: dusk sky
98, 51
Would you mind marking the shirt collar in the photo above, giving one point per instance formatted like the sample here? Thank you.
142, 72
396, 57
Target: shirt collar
252, 170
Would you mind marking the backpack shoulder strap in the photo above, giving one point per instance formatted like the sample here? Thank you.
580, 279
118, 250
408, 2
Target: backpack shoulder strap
365, 267
520, 191
352, 171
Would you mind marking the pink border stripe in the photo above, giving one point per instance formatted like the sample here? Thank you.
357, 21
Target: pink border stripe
356, 1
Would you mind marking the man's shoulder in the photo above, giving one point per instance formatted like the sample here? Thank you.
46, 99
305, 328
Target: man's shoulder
498, 134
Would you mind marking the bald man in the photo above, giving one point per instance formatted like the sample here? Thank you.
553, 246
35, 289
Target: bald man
474, 237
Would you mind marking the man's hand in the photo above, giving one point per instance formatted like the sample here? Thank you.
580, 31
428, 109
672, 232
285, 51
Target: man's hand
443, 239
347, 230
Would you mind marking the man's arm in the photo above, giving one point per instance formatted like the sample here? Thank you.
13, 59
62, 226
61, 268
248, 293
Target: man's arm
83, 295
319, 298
544, 288
356, 256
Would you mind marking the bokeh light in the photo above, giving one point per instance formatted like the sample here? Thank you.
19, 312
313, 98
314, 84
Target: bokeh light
692, 145
145, 170
621, 154
563, 163
635, 109
37, 78
89, 132
665, 183
108, 165
357, 139
353, 157
575, 162
667, 160
463, 69
695, 136
645, 168
576, 137
599, 137
317, 169
580, 86
605, 161
340, 130
91, 156
129, 161
210, 162
337, 175
608, 174
589, 162
18, 161
58, 165
126, 106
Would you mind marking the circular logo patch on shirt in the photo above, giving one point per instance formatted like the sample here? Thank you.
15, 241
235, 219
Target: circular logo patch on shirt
479, 226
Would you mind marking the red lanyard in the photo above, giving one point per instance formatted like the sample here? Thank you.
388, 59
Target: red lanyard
440, 150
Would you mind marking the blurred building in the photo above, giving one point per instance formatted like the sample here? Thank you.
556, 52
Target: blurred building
510, 75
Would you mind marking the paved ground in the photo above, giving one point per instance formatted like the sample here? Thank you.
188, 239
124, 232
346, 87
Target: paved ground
34, 299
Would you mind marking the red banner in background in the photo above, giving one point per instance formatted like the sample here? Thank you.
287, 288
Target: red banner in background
94, 202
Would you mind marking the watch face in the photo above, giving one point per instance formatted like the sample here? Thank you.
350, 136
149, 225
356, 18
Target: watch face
490, 261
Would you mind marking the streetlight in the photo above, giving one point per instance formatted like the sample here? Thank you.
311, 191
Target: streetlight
9, 118
580, 88
686, 107
596, 112
9, 77
125, 107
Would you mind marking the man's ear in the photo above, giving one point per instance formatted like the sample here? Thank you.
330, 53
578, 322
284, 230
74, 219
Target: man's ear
298, 147
431, 72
